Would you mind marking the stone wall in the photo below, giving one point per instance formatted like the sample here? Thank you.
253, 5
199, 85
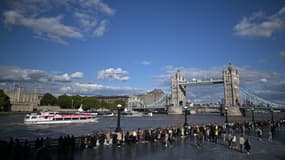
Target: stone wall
22, 108
48, 108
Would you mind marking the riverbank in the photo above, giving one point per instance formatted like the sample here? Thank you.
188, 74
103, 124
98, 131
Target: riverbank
13, 113
159, 143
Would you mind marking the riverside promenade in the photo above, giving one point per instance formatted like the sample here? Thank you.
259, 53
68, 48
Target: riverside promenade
182, 143
186, 149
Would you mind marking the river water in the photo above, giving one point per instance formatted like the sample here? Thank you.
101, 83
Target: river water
11, 125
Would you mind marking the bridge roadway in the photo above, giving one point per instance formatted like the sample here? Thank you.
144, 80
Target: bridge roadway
212, 109
200, 83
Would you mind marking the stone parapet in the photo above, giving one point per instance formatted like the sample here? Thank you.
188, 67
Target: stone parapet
21, 108
175, 110
234, 111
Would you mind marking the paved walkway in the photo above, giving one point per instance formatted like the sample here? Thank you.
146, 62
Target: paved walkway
185, 149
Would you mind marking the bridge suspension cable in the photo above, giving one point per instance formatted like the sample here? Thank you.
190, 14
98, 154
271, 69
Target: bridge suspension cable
258, 100
160, 103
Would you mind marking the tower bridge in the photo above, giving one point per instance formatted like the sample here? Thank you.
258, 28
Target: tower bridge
231, 90
235, 97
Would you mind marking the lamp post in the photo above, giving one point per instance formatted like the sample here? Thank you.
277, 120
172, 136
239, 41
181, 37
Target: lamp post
72, 103
226, 112
252, 114
185, 118
118, 129
272, 118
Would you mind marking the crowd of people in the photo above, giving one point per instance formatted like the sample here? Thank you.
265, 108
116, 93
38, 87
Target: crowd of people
234, 135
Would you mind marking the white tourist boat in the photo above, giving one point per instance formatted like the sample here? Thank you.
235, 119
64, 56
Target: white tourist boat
136, 114
81, 110
132, 114
193, 112
109, 114
57, 118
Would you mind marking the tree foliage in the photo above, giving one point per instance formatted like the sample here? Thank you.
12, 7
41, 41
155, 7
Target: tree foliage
4, 102
64, 101
48, 99
114, 105
89, 103
77, 101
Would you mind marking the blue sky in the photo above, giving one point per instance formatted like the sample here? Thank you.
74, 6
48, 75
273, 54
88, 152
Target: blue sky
116, 47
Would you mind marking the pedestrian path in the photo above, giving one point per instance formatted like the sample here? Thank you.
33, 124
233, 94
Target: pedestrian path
186, 149
212, 141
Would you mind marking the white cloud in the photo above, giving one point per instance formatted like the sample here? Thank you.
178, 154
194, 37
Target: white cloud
249, 78
91, 86
60, 83
263, 80
77, 75
101, 28
248, 75
282, 54
51, 26
62, 77
259, 25
82, 16
113, 74
16, 74
146, 62
65, 89
106, 9
86, 21
85, 88
66, 76
189, 73
101, 6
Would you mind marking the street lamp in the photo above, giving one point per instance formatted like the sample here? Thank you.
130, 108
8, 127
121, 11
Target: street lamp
118, 129
226, 112
272, 118
252, 114
185, 120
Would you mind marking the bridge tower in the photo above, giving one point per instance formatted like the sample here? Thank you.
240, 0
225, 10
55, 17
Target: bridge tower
178, 94
231, 90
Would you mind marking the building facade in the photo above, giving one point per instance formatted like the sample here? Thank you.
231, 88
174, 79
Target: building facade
145, 100
111, 99
22, 100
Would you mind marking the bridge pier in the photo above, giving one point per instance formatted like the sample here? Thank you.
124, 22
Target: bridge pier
175, 110
234, 111
178, 94
231, 91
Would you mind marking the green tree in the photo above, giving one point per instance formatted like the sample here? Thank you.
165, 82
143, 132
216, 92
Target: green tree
64, 101
48, 99
4, 102
103, 104
90, 103
113, 106
77, 101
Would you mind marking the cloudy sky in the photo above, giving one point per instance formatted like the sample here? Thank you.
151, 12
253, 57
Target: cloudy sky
115, 47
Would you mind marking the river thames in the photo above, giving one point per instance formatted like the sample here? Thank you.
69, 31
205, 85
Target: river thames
11, 125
